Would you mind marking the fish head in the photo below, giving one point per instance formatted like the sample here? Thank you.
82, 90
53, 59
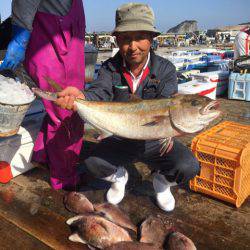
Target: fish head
154, 231
177, 240
88, 229
77, 203
192, 113
99, 232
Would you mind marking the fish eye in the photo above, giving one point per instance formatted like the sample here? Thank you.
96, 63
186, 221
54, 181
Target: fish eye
195, 103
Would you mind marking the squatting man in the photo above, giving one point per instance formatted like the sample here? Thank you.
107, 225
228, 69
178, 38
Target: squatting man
135, 69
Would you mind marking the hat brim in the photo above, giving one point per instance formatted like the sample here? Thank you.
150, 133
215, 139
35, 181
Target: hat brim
136, 27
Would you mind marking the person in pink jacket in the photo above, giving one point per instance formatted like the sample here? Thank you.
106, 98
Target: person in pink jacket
48, 37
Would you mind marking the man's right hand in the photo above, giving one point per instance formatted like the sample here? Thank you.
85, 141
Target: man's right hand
67, 97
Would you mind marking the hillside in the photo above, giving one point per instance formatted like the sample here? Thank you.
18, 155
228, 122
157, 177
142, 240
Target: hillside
184, 27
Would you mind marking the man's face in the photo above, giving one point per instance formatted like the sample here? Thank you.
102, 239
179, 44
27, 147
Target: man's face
134, 46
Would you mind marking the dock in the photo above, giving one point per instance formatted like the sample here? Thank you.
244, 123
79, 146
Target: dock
32, 215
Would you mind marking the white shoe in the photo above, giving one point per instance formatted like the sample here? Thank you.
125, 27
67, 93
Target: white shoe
165, 199
117, 190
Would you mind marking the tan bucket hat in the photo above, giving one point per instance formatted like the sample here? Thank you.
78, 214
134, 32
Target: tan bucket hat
135, 17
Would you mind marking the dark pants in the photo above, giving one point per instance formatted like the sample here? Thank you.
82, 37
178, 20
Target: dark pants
179, 165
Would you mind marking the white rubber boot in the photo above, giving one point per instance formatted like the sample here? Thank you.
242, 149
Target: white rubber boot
117, 190
165, 199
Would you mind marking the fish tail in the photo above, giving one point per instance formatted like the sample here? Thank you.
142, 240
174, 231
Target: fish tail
45, 94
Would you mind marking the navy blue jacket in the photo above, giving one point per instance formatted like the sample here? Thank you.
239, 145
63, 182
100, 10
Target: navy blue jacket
111, 85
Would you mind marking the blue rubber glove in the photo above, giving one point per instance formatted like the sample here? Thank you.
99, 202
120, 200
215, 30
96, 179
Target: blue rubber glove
16, 49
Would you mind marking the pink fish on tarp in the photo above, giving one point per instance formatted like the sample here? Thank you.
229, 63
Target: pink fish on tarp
132, 246
96, 231
164, 235
104, 226
178, 241
155, 231
114, 214
77, 203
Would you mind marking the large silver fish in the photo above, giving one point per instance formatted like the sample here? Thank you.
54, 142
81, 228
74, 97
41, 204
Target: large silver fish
147, 119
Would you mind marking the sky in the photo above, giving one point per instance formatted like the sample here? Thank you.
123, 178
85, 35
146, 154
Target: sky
100, 14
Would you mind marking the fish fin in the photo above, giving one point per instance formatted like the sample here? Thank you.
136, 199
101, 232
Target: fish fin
101, 214
73, 220
166, 145
104, 135
76, 238
157, 120
104, 226
53, 84
134, 98
110, 213
174, 95
91, 248
101, 133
